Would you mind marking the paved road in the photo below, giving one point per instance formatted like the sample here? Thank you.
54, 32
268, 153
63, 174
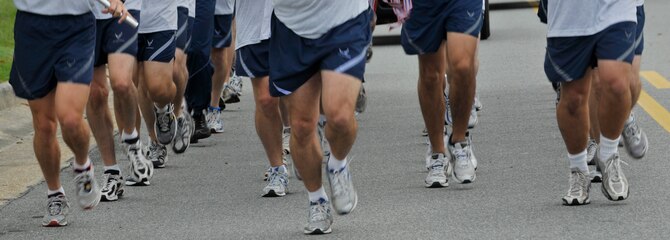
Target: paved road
213, 191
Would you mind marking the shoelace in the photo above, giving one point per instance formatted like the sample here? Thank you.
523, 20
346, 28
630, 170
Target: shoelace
462, 156
576, 183
633, 132
275, 179
55, 205
616, 164
164, 121
318, 213
437, 165
109, 182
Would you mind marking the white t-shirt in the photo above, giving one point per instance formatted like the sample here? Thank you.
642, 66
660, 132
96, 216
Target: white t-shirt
314, 18
182, 3
224, 7
639, 2
252, 18
191, 8
133, 4
573, 18
98, 7
158, 15
54, 7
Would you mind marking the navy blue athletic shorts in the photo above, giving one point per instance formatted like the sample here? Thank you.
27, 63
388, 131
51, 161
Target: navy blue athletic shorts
253, 60
430, 20
112, 37
567, 58
639, 41
49, 50
182, 24
157, 46
223, 31
294, 59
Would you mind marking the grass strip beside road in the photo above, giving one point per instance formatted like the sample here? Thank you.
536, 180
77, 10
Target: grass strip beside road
7, 13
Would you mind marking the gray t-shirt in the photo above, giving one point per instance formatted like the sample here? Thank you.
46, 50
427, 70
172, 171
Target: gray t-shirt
313, 18
134, 4
225, 7
158, 15
54, 7
639, 2
191, 8
252, 18
573, 18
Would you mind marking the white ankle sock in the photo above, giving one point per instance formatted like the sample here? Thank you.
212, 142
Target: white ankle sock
608, 147
125, 136
336, 164
81, 167
52, 192
114, 167
318, 194
579, 161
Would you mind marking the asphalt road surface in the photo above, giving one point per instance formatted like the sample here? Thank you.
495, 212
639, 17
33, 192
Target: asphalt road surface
213, 190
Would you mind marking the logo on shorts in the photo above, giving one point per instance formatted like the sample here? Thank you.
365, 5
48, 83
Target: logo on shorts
217, 32
119, 37
70, 62
471, 14
149, 43
345, 53
628, 34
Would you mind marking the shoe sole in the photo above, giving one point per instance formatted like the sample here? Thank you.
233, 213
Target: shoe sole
618, 198
272, 193
233, 99
437, 185
576, 202
597, 179
212, 130
352, 208
55, 223
464, 181
138, 184
318, 231
158, 164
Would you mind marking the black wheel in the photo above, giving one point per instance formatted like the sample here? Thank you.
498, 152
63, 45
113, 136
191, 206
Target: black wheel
486, 27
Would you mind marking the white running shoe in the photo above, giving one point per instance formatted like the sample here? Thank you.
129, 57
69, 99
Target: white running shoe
57, 211
141, 169
277, 183
113, 188
285, 139
615, 184
320, 218
462, 166
580, 186
215, 120
157, 154
88, 191
437, 173
343, 194
591, 150
634, 139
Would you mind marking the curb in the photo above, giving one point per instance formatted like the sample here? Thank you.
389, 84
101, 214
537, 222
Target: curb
7, 97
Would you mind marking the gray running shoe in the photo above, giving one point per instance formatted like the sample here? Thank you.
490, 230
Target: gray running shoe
615, 184
88, 191
634, 139
342, 189
215, 120
437, 173
277, 183
157, 154
141, 169
113, 188
461, 162
320, 218
165, 125
57, 210
361, 101
580, 186
285, 139
184, 132
591, 150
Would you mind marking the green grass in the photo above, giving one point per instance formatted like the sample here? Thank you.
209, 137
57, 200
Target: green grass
7, 13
